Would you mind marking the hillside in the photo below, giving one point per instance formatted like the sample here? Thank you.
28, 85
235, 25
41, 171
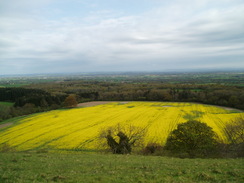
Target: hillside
79, 128
90, 168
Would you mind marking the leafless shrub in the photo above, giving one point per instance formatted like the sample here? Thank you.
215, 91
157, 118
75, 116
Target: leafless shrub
120, 139
5, 147
235, 130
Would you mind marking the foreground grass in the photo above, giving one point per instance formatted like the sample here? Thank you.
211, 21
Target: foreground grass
51, 167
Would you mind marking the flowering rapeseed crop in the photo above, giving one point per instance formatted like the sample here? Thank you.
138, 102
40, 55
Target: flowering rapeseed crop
79, 128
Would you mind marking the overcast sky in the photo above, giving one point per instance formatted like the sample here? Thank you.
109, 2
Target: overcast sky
55, 36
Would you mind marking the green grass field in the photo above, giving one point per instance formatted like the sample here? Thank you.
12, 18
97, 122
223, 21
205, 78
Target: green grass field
7, 104
12, 85
71, 166
90, 168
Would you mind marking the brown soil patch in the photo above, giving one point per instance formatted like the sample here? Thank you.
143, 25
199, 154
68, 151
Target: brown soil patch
5, 125
226, 108
90, 104
230, 109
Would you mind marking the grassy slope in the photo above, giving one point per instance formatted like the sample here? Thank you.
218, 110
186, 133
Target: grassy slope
5, 106
16, 120
33, 167
9, 104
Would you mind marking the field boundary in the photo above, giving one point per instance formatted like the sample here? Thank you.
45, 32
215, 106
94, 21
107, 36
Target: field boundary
95, 103
5, 125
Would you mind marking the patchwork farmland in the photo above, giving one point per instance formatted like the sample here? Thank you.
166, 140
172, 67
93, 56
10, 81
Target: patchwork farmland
79, 128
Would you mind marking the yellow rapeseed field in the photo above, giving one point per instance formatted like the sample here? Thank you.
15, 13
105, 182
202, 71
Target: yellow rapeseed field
79, 128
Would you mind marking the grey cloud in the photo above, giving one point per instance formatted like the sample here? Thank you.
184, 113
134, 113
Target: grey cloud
4, 44
148, 41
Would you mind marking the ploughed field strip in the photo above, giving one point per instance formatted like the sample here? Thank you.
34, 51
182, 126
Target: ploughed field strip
5, 125
79, 128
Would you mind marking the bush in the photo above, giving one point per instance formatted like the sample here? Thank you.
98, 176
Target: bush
6, 148
153, 149
235, 130
193, 139
231, 150
70, 101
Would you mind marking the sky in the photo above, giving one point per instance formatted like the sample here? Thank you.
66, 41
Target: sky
77, 36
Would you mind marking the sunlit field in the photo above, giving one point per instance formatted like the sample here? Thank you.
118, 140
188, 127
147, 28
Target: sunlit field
79, 128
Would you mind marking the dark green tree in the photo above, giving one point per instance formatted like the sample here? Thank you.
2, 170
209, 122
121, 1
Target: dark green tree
193, 138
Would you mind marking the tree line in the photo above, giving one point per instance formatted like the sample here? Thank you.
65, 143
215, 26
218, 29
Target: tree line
47, 96
215, 94
27, 101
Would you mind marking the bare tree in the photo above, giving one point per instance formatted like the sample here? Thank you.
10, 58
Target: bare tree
120, 139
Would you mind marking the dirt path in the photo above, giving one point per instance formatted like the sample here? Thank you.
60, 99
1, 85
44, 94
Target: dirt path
226, 108
90, 104
5, 125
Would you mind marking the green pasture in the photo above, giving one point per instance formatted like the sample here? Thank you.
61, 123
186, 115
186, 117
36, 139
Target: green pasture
107, 168
7, 104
